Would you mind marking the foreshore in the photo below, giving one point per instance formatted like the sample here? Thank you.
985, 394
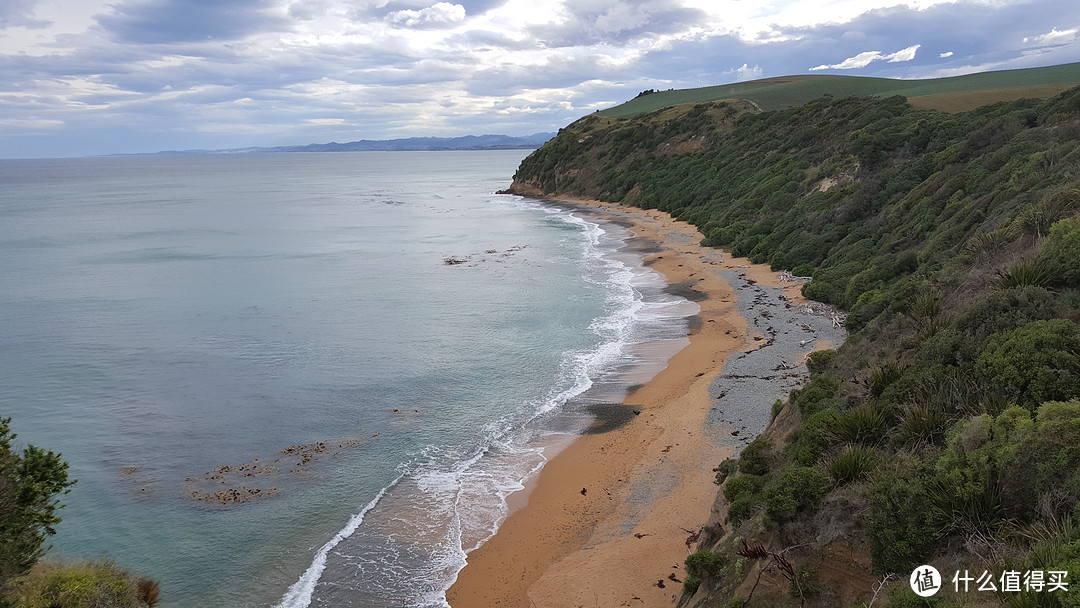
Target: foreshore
609, 521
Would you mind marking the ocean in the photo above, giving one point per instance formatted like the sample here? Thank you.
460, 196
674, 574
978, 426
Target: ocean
307, 379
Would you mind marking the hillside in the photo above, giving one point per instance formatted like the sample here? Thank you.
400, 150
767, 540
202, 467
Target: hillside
933, 93
946, 429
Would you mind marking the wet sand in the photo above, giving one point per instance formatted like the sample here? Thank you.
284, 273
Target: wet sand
607, 521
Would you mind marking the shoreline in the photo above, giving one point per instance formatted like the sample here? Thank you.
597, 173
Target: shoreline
608, 518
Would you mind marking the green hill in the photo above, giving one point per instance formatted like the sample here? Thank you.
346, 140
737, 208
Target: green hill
946, 429
787, 91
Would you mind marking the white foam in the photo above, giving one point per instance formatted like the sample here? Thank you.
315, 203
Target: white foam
299, 593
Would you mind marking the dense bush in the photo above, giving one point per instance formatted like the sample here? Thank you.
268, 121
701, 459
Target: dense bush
1034, 363
755, 457
1061, 253
794, 491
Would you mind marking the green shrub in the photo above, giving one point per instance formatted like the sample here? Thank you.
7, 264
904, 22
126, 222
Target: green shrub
742, 494
816, 394
884, 376
690, 584
808, 442
1062, 250
1034, 363
1026, 274
922, 423
902, 596
90, 585
755, 457
777, 407
864, 424
899, 521
794, 491
853, 463
725, 469
820, 359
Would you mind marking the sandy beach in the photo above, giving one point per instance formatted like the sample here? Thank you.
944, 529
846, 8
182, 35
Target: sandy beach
608, 520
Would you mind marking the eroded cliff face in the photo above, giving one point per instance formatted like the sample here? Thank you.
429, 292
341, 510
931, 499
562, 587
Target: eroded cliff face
831, 557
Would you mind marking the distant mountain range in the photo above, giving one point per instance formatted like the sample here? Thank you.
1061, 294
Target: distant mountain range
468, 142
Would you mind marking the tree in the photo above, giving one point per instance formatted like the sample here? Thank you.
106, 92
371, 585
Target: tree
30, 483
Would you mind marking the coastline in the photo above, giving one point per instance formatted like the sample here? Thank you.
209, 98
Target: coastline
609, 517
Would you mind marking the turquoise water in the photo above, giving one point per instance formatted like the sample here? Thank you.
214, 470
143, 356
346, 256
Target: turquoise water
174, 324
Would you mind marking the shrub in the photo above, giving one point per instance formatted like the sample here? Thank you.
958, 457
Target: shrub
1062, 250
864, 424
855, 462
810, 440
794, 491
816, 394
701, 564
90, 585
808, 581
690, 584
884, 376
819, 360
755, 457
1034, 363
1025, 274
899, 521
777, 407
921, 423
725, 469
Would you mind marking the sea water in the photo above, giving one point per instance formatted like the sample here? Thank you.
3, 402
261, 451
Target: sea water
306, 379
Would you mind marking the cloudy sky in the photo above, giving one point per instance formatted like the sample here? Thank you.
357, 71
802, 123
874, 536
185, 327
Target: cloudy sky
83, 77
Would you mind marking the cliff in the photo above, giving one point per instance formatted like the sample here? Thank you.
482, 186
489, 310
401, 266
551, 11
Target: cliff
946, 429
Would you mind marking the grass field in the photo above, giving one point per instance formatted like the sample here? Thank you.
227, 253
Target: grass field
947, 94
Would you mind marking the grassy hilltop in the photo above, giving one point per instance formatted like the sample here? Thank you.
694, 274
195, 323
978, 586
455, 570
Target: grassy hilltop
949, 94
946, 429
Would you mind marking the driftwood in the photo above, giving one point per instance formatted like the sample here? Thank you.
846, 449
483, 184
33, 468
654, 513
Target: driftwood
781, 562
787, 277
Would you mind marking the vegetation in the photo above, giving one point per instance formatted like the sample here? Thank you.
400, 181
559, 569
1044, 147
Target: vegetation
30, 483
92, 585
958, 92
947, 426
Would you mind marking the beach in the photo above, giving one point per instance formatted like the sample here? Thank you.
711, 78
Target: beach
613, 515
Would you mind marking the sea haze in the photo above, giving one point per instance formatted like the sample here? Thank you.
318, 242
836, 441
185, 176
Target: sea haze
306, 379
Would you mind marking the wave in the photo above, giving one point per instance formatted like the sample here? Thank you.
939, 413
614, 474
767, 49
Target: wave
451, 499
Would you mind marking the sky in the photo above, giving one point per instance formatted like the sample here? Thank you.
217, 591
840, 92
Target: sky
89, 77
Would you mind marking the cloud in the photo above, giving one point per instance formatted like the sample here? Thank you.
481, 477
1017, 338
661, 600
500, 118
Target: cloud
1053, 37
14, 13
617, 23
867, 57
745, 72
173, 21
436, 15
945, 55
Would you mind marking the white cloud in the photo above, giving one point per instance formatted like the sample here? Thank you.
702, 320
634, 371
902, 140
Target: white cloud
1053, 37
745, 72
903, 55
945, 54
867, 57
441, 13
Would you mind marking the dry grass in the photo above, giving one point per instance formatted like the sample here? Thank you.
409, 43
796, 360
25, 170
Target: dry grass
962, 102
